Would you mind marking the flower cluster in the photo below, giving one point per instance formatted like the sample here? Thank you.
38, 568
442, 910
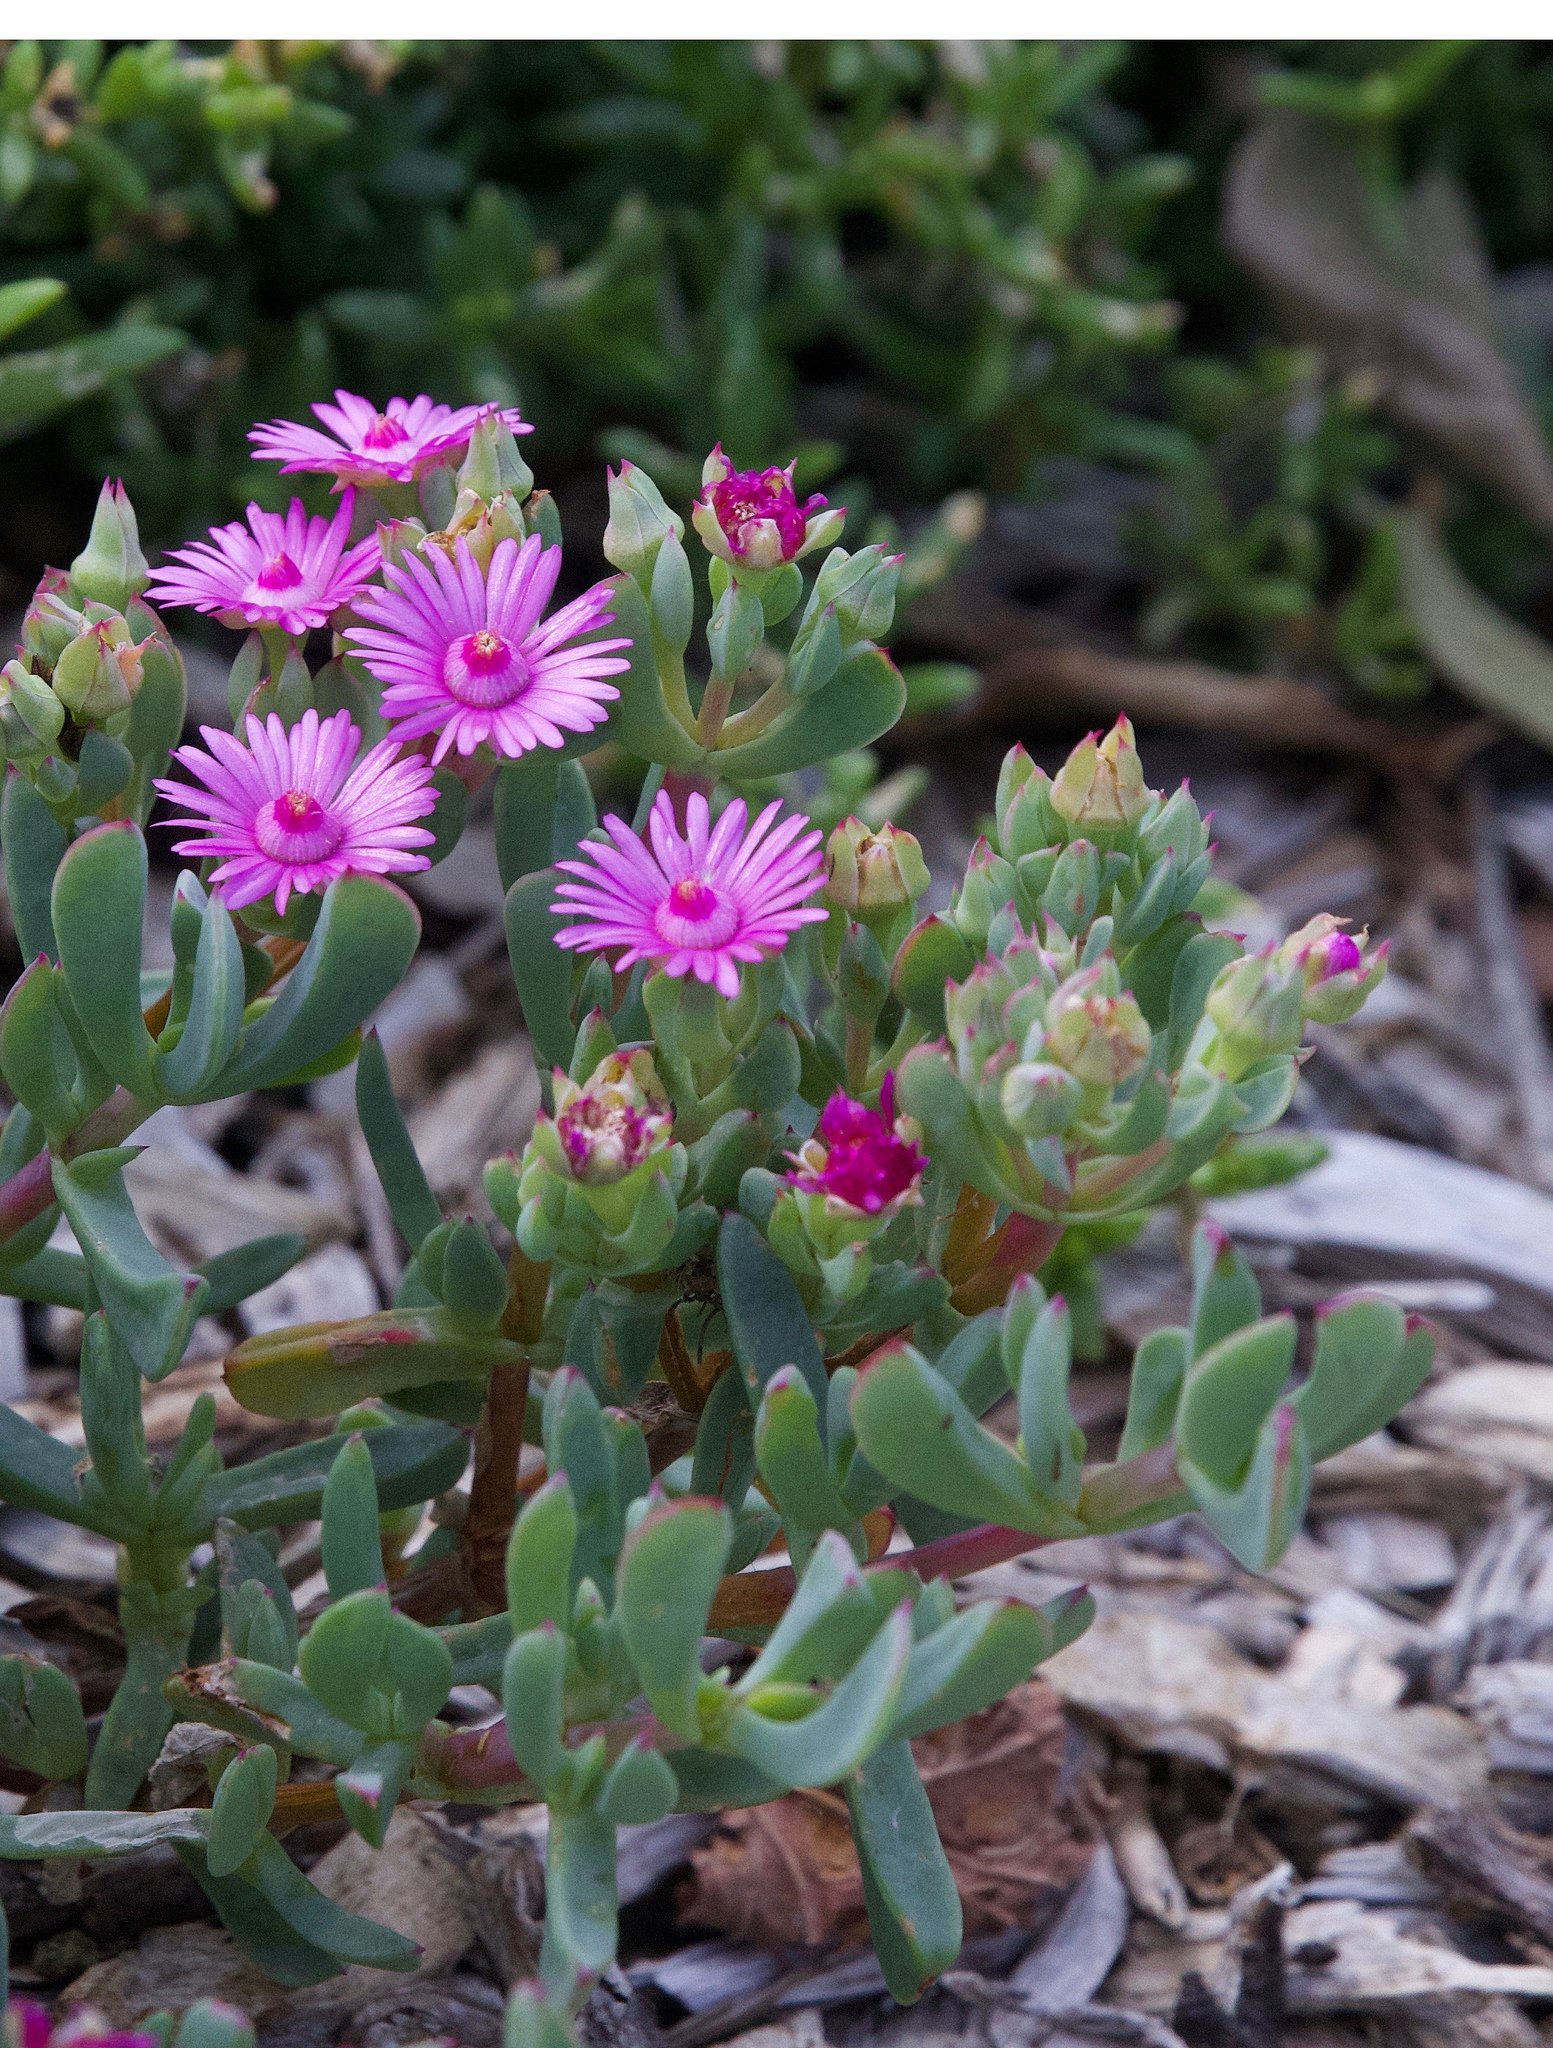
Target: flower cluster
461, 645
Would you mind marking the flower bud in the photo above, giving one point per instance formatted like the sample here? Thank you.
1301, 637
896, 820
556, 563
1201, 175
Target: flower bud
1100, 787
862, 588
873, 876
1333, 966
99, 674
31, 716
638, 521
1098, 1037
988, 885
51, 621
111, 569
1257, 1007
493, 465
751, 518
615, 1122
1039, 1099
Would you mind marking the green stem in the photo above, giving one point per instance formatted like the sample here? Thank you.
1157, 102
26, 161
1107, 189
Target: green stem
715, 701
763, 712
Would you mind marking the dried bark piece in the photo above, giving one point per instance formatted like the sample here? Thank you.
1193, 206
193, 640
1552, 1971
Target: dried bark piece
1018, 1825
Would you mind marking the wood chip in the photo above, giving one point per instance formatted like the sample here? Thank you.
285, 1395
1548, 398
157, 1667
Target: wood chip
1168, 1686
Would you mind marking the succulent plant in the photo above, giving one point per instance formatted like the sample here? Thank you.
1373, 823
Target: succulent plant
803, 1158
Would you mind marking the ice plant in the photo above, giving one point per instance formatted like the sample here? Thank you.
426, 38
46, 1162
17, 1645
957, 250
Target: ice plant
366, 446
281, 569
703, 902
778, 1240
289, 813
467, 654
754, 517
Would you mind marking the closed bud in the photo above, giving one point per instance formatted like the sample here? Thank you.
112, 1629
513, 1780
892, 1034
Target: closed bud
735, 631
1257, 1007
493, 466
31, 716
873, 876
397, 538
1097, 1036
111, 569
51, 621
1100, 787
671, 598
99, 674
751, 518
862, 588
638, 522
1039, 1099
988, 885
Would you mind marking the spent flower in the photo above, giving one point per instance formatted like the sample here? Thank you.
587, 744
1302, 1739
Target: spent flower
366, 446
703, 902
281, 569
465, 652
615, 1121
288, 813
865, 1160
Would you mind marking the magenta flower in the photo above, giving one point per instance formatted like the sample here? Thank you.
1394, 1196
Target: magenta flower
27, 2025
700, 903
753, 515
365, 446
867, 1159
464, 655
288, 571
288, 814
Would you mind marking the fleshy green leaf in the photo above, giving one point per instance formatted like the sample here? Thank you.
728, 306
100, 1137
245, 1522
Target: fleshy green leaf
767, 1321
152, 1307
669, 1570
913, 1906
98, 909
364, 940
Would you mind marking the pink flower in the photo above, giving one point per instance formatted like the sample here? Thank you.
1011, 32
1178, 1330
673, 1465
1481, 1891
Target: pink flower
753, 515
288, 814
291, 571
463, 654
27, 2025
698, 904
365, 446
866, 1158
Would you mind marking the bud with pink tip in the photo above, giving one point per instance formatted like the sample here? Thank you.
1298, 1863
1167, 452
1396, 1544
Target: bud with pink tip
1100, 787
1336, 971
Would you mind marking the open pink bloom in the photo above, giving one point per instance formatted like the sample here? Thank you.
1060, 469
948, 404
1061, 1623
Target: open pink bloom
288, 814
700, 903
365, 446
283, 570
866, 1158
463, 653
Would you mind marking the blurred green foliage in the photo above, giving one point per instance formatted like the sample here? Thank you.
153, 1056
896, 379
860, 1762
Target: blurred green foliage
919, 267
